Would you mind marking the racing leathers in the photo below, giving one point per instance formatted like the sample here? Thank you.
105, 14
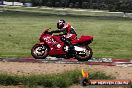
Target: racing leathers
69, 34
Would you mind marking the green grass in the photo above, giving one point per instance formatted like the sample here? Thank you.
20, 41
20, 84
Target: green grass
19, 31
61, 80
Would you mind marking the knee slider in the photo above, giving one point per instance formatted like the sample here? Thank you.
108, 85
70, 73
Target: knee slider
63, 39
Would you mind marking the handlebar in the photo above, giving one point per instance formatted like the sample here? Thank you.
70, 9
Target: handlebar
46, 30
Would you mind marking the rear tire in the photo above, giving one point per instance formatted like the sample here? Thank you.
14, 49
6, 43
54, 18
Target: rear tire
39, 51
86, 56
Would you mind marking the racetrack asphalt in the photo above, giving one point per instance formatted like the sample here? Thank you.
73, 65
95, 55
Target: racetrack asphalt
93, 61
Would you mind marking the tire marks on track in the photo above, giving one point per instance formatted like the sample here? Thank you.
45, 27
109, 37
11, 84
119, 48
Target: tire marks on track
93, 61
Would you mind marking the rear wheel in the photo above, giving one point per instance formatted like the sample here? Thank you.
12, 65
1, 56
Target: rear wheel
39, 51
84, 56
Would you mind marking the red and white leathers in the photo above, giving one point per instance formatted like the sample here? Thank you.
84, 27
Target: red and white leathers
69, 32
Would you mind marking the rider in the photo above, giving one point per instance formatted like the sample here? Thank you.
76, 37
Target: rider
69, 33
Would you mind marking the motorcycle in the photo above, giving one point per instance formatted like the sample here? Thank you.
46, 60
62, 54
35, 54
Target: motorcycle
52, 45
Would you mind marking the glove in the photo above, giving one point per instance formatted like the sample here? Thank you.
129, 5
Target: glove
49, 33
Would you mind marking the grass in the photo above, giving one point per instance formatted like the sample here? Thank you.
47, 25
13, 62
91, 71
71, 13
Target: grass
60, 80
20, 30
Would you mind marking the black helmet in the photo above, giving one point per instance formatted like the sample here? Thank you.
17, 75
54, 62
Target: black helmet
60, 24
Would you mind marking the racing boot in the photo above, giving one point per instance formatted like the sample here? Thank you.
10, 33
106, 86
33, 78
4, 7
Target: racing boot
71, 49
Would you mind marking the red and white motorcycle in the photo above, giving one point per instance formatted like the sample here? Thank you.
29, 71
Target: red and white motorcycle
52, 45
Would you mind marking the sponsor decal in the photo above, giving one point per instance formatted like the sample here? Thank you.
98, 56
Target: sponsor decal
58, 45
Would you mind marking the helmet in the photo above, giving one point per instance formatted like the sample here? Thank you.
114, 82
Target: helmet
60, 24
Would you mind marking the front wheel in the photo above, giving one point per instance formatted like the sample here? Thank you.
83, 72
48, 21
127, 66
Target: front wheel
39, 51
85, 55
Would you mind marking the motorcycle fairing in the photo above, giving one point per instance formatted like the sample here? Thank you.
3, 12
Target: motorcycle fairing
82, 39
56, 46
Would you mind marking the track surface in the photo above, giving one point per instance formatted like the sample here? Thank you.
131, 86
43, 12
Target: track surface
93, 61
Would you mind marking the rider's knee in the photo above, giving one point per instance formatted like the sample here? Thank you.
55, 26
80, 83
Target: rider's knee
63, 38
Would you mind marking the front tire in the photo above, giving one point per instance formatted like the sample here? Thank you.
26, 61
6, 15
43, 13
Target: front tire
39, 51
85, 56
